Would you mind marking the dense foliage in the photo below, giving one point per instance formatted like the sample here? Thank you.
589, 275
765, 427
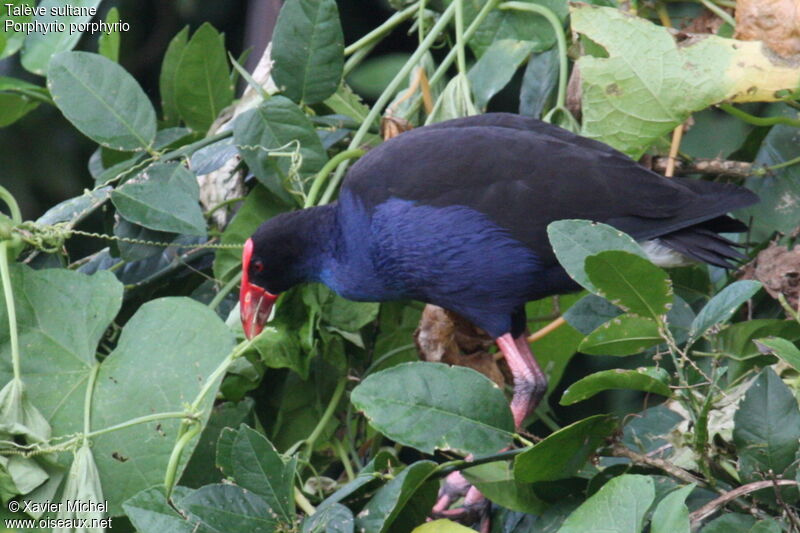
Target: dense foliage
126, 377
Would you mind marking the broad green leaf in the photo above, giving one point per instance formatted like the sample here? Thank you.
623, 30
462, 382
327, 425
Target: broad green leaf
137, 251
259, 468
779, 189
150, 512
334, 518
18, 416
83, 484
454, 102
649, 430
496, 482
387, 503
102, 100
163, 197
770, 525
541, 77
14, 106
108, 44
431, 406
308, 50
623, 335
367, 477
649, 83
202, 85
513, 24
371, 77
39, 47
565, 452
618, 507
721, 307
442, 526
227, 508
650, 379
213, 157
168, 77
575, 240
784, 349
631, 283
258, 207
767, 429
12, 40
496, 67
591, 312
671, 514
281, 147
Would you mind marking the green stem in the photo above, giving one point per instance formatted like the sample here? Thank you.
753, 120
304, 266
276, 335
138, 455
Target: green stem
558, 29
138, 420
87, 400
326, 170
11, 202
303, 503
188, 431
721, 13
8, 292
378, 33
387, 94
460, 53
223, 292
354, 60
342, 453
444, 469
326, 416
195, 146
779, 166
222, 204
758, 121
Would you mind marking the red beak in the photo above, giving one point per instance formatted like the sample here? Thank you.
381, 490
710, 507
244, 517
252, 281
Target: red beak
255, 303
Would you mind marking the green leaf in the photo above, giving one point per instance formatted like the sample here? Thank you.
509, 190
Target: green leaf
77, 208
345, 102
541, 77
671, 514
258, 207
334, 518
168, 77
767, 429
442, 526
649, 379
335, 311
513, 24
308, 49
136, 251
784, 349
371, 474
163, 197
18, 416
279, 345
779, 189
496, 482
259, 468
620, 506
83, 484
108, 44
39, 47
721, 307
575, 240
150, 512
631, 283
623, 335
496, 67
161, 361
454, 102
12, 39
738, 340
563, 453
730, 523
102, 100
591, 312
431, 406
387, 503
278, 125
226, 508
202, 84
13, 107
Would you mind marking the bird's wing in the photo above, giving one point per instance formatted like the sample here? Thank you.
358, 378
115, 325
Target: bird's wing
523, 174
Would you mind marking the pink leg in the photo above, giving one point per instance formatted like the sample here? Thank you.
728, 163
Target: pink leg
530, 383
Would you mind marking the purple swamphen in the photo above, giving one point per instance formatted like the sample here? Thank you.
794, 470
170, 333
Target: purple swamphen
455, 214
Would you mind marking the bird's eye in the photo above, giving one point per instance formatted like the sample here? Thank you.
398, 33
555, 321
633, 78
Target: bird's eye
258, 266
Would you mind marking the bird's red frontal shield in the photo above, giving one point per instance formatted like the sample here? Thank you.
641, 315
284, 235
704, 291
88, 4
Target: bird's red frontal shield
255, 303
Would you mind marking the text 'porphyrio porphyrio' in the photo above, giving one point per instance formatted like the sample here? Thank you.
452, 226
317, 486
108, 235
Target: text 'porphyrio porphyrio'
455, 214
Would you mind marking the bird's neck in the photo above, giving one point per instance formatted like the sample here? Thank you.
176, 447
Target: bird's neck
318, 237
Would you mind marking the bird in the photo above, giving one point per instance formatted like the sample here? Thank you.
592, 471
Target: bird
456, 213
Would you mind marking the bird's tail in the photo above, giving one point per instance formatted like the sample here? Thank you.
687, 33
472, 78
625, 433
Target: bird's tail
702, 242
